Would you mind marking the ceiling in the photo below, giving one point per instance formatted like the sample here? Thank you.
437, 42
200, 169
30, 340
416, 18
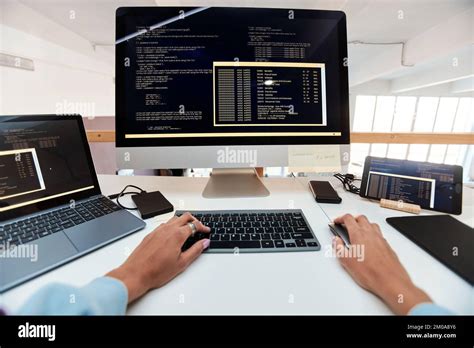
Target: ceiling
368, 20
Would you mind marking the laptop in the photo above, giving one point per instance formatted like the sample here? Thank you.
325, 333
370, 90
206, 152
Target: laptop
51, 207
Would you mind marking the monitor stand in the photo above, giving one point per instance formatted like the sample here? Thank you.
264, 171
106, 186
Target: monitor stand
234, 183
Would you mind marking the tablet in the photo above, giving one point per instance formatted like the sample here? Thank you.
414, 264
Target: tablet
432, 186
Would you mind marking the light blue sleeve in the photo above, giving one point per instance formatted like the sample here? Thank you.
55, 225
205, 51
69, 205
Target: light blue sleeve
103, 296
429, 309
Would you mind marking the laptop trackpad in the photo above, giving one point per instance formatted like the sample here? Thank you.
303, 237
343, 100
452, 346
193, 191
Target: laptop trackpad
99, 231
38, 256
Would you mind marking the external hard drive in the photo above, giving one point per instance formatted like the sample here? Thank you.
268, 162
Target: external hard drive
150, 204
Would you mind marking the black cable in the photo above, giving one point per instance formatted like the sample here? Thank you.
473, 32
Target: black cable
123, 193
348, 182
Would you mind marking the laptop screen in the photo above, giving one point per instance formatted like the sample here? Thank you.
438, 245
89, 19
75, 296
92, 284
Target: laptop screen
44, 161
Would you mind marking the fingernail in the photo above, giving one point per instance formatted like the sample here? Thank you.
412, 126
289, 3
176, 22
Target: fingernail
205, 244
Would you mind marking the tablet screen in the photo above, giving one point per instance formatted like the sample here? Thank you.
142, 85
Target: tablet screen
430, 185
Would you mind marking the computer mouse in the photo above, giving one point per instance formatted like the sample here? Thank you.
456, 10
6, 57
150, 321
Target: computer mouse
193, 239
340, 230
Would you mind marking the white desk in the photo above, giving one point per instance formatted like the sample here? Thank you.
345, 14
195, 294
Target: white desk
269, 283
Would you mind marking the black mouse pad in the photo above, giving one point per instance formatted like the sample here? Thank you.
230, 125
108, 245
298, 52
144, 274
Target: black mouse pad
445, 238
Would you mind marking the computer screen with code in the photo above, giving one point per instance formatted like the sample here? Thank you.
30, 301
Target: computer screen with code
430, 185
229, 73
41, 160
20, 173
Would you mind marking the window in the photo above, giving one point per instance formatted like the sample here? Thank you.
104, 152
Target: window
411, 114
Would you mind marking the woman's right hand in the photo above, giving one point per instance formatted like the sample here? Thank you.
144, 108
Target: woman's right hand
379, 270
158, 258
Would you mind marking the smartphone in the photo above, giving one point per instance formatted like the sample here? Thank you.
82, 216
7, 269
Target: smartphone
323, 192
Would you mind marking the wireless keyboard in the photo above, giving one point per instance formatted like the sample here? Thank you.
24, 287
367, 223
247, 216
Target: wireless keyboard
256, 230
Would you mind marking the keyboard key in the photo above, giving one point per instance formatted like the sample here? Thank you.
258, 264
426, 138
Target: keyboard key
15, 233
245, 236
276, 236
235, 244
279, 244
43, 233
215, 237
234, 237
290, 245
255, 236
302, 236
267, 244
300, 243
266, 236
28, 239
55, 229
77, 220
225, 236
15, 241
67, 224
286, 236
301, 229
312, 244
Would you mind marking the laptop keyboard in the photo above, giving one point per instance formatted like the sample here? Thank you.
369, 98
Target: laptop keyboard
42, 225
256, 230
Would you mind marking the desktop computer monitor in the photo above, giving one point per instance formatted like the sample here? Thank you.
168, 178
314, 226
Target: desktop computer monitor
215, 87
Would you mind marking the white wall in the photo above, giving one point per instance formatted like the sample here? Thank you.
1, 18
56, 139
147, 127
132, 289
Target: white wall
69, 76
